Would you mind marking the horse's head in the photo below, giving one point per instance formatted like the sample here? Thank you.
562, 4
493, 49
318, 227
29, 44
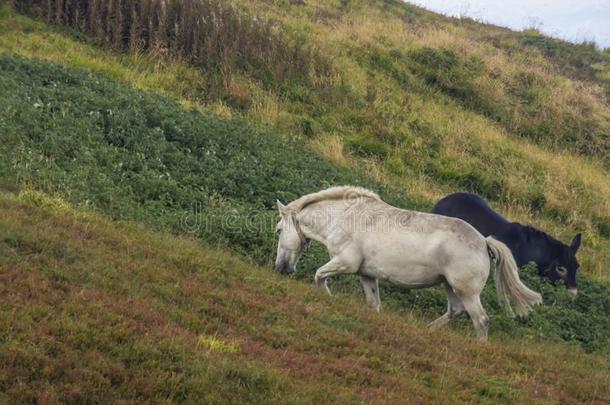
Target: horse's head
291, 241
565, 265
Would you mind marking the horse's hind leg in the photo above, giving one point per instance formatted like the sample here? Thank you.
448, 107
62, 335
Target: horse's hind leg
478, 315
371, 291
454, 308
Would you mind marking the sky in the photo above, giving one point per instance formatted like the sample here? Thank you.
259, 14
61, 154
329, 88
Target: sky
573, 20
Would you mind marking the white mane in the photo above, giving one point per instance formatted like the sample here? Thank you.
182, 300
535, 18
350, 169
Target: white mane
333, 193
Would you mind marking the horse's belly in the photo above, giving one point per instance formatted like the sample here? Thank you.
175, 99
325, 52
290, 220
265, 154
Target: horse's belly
411, 261
412, 276
414, 279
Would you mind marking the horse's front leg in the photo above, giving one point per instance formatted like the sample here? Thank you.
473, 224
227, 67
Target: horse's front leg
334, 267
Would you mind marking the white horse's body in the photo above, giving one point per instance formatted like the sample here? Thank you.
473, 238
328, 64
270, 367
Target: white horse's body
368, 237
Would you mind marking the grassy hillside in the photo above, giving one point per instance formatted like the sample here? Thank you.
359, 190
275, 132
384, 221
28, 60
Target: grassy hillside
96, 310
444, 104
427, 104
412, 105
142, 157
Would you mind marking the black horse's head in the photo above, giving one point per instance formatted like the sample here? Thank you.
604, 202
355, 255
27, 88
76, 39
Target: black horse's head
556, 260
562, 264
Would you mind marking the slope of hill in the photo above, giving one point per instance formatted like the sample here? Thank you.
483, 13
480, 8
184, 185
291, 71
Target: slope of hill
96, 310
407, 111
133, 155
424, 103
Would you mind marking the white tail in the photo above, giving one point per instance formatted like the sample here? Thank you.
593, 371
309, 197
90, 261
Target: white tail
508, 285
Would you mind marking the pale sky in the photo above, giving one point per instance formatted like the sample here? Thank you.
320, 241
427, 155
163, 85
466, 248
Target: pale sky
573, 20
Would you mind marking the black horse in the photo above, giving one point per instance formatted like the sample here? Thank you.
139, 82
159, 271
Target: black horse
554, 259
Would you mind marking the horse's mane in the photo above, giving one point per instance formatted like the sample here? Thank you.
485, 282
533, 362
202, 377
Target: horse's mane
333, 193
541, 234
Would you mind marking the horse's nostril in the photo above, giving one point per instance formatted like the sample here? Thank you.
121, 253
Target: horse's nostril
282, 268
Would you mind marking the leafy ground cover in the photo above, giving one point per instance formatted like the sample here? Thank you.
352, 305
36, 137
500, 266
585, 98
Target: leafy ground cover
144, 157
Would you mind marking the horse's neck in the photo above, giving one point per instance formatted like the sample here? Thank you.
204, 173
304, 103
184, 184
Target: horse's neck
320, 221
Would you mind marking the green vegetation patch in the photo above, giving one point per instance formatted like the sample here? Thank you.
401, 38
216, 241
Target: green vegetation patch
584, 61
138, 156
447, 70
99, 144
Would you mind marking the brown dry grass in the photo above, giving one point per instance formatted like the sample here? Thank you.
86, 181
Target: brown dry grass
105, 310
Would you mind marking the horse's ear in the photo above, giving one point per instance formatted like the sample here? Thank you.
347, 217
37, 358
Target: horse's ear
281, 207
575, 244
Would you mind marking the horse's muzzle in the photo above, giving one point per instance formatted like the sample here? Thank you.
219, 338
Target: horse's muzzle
283, 268
573, 292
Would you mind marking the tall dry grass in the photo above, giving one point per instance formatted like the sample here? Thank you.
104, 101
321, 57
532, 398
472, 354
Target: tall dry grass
215, 35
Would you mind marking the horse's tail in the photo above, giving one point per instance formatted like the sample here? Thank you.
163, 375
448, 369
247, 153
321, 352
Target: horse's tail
508, 285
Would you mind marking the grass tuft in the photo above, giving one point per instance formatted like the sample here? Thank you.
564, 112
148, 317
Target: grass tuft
215, 344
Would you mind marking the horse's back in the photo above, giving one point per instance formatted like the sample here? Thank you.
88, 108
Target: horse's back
429, 246
474, 210
431, 229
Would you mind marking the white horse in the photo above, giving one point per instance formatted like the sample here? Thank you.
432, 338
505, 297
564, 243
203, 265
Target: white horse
370, 238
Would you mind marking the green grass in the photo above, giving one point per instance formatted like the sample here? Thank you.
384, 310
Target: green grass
95, 310
508, 82
578, 60
132, 155
383, 118
144, 157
